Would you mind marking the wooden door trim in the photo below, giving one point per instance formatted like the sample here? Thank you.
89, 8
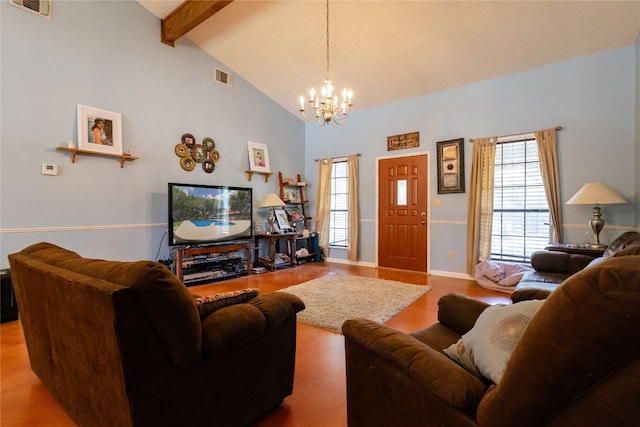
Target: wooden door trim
377, 216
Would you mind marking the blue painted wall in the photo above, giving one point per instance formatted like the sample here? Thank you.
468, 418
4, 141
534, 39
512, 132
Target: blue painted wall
100, 210
593, 98
93, 206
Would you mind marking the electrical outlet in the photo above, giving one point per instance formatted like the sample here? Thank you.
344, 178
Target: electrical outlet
452, 254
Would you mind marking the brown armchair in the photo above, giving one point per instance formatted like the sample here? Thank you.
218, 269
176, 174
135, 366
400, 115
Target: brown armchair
577, 362
122, 343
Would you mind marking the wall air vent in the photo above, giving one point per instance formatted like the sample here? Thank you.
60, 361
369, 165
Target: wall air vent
39, 7
224, 77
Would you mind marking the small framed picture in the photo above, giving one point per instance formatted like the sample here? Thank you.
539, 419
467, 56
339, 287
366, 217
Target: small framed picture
281, 218
294, 213
450, 166
99, 130
258, 157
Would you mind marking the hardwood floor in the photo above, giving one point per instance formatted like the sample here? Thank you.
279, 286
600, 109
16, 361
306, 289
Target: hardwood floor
318, 397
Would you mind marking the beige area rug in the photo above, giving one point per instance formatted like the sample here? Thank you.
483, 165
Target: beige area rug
332, 299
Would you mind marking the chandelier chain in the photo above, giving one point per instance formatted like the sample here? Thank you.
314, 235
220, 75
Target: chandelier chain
327, 105
327, 71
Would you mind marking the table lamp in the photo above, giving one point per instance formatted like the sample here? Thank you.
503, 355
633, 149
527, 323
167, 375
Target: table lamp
596, 193
271, 201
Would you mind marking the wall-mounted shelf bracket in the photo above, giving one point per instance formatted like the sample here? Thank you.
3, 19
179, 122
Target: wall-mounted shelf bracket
266, 175
75, 151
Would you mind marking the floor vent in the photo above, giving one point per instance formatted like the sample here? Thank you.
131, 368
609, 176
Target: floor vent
39, 7
224, 77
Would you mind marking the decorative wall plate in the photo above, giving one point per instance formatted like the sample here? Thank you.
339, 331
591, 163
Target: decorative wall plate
214, 155
209, 144
181, 150
208, 166
198, 153
188, 163
188, 139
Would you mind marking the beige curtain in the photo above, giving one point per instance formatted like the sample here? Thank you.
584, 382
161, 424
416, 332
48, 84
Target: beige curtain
323, 204
548, 154
480, 209
354, 216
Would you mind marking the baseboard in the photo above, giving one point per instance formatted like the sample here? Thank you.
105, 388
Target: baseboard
451, 274
346, 261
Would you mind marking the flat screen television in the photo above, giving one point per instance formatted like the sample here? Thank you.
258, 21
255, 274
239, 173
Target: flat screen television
207, 214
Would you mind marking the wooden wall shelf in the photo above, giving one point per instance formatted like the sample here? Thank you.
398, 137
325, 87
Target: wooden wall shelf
75, 151
266, 175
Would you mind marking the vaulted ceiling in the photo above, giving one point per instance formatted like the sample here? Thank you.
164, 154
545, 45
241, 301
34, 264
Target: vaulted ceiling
387, 51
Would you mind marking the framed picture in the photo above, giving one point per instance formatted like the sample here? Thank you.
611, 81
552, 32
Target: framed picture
281, 219
99, 130
291, 195
258, 157
451, 166
294, 213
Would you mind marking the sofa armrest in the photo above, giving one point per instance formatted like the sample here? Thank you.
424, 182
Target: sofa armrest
238, 324
277, 306
459, 312
559, 262
385, 349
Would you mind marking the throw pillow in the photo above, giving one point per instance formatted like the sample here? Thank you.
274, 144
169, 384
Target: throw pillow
486, 349
210, 303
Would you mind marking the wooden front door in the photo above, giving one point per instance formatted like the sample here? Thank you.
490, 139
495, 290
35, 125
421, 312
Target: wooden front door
402, 213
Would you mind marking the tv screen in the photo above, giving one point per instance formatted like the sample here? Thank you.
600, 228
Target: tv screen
206, 214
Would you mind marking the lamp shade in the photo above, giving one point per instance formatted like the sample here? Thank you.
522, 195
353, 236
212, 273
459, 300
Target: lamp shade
271, 201
596, 193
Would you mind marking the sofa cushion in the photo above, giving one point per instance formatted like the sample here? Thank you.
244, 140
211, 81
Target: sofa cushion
537, 285
486, 349
559, 262
209, 303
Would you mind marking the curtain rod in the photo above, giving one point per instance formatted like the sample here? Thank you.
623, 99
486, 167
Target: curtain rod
339, 157
516, 134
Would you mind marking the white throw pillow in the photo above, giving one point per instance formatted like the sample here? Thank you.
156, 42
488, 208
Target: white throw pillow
486, 349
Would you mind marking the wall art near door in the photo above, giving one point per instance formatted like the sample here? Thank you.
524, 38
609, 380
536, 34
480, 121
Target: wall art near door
450, 166
99, 130
406, 140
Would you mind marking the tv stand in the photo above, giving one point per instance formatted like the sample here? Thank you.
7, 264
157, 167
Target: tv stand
196, 265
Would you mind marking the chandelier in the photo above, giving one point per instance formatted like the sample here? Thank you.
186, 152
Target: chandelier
326, 105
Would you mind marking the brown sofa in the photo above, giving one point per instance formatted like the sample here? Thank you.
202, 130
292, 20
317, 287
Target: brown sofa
577, 362
122, 343
552, 267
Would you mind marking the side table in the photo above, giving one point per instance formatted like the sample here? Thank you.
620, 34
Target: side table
577, 249
290, 242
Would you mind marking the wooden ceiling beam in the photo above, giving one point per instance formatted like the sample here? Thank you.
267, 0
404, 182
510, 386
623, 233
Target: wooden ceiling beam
187, 16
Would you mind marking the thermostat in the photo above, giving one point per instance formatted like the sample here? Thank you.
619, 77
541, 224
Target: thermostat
49, 169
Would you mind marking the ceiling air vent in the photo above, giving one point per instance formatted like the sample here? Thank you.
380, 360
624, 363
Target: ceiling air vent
39, 7
224, 77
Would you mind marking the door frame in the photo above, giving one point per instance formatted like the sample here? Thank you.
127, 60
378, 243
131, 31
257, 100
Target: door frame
377, 216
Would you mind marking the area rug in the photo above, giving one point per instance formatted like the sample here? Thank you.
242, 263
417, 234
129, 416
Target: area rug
332, 299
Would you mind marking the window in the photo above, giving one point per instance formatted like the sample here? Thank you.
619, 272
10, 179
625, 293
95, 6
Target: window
520, 209
339, 222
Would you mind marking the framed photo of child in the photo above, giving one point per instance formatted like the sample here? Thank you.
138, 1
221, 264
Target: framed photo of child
99, 130
258, 157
